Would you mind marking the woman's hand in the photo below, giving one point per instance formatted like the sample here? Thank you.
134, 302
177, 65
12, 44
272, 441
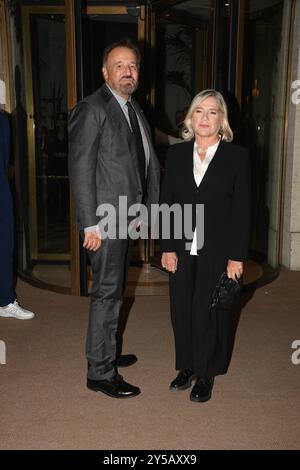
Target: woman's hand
234, 269
169, 261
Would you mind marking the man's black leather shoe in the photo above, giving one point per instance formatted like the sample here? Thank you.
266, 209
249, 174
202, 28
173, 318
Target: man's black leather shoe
115, 387
183, 380
202, 389
125, 360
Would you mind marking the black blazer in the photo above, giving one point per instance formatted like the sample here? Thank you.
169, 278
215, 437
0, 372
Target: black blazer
102, 160
224, 191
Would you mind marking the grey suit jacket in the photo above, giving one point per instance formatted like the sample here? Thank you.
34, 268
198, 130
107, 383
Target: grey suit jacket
103, 164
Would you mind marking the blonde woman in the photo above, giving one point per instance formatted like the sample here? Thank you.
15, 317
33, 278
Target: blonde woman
205, 169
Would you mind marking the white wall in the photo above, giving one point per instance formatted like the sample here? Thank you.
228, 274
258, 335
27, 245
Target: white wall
291, 223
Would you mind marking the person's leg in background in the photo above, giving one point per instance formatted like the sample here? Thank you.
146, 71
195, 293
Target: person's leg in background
9, 306
7, 294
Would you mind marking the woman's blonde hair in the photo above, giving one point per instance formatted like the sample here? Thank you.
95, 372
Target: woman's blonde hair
225, 129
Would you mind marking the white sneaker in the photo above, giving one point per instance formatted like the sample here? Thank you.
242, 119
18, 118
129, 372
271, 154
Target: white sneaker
16, 311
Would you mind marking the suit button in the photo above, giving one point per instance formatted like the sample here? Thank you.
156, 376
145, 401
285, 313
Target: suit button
140, 193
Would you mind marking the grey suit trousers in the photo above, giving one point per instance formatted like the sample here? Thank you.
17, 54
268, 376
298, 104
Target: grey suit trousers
109, 266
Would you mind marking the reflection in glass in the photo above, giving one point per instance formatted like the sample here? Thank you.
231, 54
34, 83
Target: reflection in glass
40, 140
264, 89
183, 68
183, 49
98, 31
51, 140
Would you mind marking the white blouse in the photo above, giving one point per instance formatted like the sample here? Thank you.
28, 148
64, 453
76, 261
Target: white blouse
199, 169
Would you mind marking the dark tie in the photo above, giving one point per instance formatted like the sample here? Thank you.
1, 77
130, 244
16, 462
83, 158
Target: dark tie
138, 141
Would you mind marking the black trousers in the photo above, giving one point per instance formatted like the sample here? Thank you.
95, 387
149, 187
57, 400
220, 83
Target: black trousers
203, 338
7, 294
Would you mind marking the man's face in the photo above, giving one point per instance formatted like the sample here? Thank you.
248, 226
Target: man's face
121, 71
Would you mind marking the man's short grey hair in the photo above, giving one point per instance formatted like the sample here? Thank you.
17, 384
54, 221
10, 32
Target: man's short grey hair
125, 42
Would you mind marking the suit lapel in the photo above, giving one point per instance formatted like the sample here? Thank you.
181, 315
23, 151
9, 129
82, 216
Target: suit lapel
121, 123
145, 127
190, 153
143, 120
117, 116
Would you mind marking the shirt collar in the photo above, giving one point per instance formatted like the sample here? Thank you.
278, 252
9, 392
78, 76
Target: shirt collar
211, 150
122, 102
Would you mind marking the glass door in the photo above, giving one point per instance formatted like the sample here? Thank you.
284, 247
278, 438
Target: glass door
264, 89
91, 29
44, 185
99, 30
183, 66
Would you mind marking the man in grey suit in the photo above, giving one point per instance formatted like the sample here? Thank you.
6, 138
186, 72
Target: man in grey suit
110, 155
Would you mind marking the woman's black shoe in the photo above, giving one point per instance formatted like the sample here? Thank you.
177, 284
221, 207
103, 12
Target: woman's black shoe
183, 380
202, 389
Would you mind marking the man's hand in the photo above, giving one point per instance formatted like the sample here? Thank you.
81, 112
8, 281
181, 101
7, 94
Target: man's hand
234, 269
169, 261
92, 240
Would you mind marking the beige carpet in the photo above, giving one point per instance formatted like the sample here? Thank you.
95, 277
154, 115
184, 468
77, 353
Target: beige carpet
45, 404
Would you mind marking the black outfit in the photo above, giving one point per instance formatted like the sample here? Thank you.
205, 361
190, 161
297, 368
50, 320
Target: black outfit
225, 193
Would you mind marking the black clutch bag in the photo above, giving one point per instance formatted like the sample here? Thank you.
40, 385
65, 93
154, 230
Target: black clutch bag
226, 291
